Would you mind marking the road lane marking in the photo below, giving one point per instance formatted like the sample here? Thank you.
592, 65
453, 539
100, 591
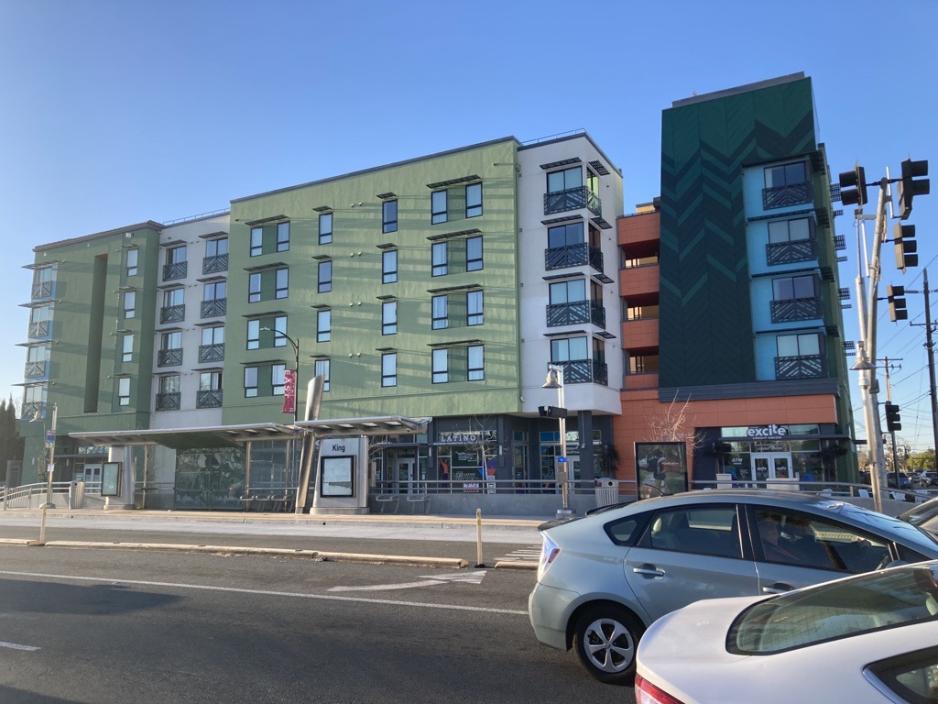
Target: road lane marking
526, 554
266, 592
17, 646
427, 581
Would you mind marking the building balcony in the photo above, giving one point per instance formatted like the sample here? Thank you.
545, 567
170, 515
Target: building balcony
809, 366
212, 353
640, 334
789, 252
573, 255
575, 313
785, 196
33, 410
640, 280
173, 314
216, 308
169, 358
43, 289
40, 330
171, 272
168, 402
211, 398
640, 382
584, 371
36, 371
572, 199
793, 309
215, 265
641, 229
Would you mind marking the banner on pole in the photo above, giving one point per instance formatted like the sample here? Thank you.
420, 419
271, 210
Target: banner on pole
289, 391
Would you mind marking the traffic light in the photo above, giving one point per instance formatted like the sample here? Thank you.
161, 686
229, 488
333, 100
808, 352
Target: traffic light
855, 184
909, 186
897, 306
906, 246
893, 420
552, 412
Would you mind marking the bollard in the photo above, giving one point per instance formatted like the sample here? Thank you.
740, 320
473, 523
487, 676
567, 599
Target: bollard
479, 562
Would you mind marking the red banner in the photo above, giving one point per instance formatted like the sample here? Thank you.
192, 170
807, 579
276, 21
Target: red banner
289, 391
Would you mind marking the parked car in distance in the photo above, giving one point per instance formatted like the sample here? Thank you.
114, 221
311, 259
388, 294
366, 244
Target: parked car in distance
924, 515
604, 578
864, 640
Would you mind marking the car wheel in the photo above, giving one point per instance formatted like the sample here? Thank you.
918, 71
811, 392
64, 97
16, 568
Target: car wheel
606, 638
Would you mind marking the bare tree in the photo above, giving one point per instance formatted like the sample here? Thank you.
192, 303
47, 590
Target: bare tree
671, 425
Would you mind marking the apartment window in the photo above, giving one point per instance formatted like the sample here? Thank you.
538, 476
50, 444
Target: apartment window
389, 266
440, 309
214, 290
325, 276
257, 241
389, 318
127, 348
324, 325
565, 235
389, 216
474, 254
133, 256
571, 291
213, 336
171, 340
799, 345
440, 366
283, 236
169, 384
389, 369
322, 368
643, 363
174, 297
569, 349
439, 252
250, 382
130, 304
123, 391
210, 381
438, 207
36, 396
254, 287
785, 175
282, 281
325, 228
473, 200
254, 334
280, 331
476, 370
564, 180
789, 230
277, 374
216, 248
792, 287
475, 308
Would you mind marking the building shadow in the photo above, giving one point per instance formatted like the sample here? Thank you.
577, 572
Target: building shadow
24, 596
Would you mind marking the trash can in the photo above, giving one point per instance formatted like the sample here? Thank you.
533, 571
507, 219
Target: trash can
607, 492
78, 494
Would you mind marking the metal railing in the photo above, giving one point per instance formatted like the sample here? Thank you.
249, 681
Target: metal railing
215, 265
169, 358
489, 486
210, 398
169, 401
796, 309
175, 271
43, 289
214, 308
173, 314
809, 366
572, 199
24, 496
583, 371
33, 409
576, 312
40, 329
788, 252
573, 255
36, 370
784, 196
212, 353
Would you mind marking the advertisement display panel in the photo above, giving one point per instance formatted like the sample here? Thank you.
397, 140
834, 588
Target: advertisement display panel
661, 468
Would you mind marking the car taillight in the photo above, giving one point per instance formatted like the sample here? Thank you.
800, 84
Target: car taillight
647, 693
549, 552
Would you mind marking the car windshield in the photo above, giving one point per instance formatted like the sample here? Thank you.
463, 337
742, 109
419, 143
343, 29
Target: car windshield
921, 513
911, 535
840, 609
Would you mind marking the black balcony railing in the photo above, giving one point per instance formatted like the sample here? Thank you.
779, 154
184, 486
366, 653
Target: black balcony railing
809, 366
39, 329
175, 271
598, 314
37, 370
583, 371
784, 196
215, 265
572, 199
573, 255
168, 401
33, 410
209, 399
212, 353
796, 309
173, 314
169, 358
214, 308
788, 252
574, 313
43, 289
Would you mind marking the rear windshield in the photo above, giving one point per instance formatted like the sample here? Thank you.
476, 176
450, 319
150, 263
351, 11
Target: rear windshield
870, 602
888, 526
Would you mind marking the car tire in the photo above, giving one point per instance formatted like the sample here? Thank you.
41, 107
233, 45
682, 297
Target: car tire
605, 638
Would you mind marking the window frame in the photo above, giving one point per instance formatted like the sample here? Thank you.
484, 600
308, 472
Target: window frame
123, 399
281, 292
256, 339
388, 276
172, 254
327, 377
325, 236
256, 242
277, 388
476, 209
323, 334
211, 330
439, 216
477, 318
740, 520
798, 336
388, 326
567, 340
127, 355
439, 322
565, 172
255, 292
213, 244
213, 287
389, 224
784, 166
388, 380
778, 280
213, 375
248, 370
132, 269
565, 284
787, 223
480, 370
283, 242
439, 269
480, 260
443, 372
323, 285
129, 313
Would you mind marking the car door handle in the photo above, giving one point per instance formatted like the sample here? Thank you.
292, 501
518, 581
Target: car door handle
777, 588
649, 571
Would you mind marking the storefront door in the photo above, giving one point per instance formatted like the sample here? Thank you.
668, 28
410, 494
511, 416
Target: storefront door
774, 466
404, 474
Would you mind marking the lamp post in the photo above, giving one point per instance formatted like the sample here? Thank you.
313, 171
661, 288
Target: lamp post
296, 382
554, 380
50, 468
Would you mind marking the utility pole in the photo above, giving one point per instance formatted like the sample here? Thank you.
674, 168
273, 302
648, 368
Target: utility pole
930, 346
892, 433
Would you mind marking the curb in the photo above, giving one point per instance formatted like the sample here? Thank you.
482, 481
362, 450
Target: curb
16, 541
449, 562
515, 565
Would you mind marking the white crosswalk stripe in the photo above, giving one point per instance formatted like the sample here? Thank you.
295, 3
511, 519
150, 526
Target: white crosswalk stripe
531, 553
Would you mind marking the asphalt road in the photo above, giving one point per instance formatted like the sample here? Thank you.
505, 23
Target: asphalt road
96, 627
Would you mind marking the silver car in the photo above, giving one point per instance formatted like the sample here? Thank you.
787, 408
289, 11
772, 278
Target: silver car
603, 579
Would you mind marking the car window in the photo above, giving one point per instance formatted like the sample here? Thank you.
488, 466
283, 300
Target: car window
911, 676
803, 540
626, 530
839, 609
907, 555
712, 530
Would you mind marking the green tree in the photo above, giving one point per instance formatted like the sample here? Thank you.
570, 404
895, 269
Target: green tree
922, 460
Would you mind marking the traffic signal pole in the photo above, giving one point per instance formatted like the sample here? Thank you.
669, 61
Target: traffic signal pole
892, 432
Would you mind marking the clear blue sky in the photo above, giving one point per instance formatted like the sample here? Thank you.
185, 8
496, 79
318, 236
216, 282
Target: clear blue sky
113, 112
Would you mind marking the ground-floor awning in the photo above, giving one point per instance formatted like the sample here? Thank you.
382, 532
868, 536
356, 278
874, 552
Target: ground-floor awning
376, 425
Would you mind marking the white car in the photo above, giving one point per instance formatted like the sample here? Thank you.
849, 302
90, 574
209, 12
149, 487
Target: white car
871, 639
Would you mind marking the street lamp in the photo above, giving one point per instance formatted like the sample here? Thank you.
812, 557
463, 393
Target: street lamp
554, 380
296, 384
